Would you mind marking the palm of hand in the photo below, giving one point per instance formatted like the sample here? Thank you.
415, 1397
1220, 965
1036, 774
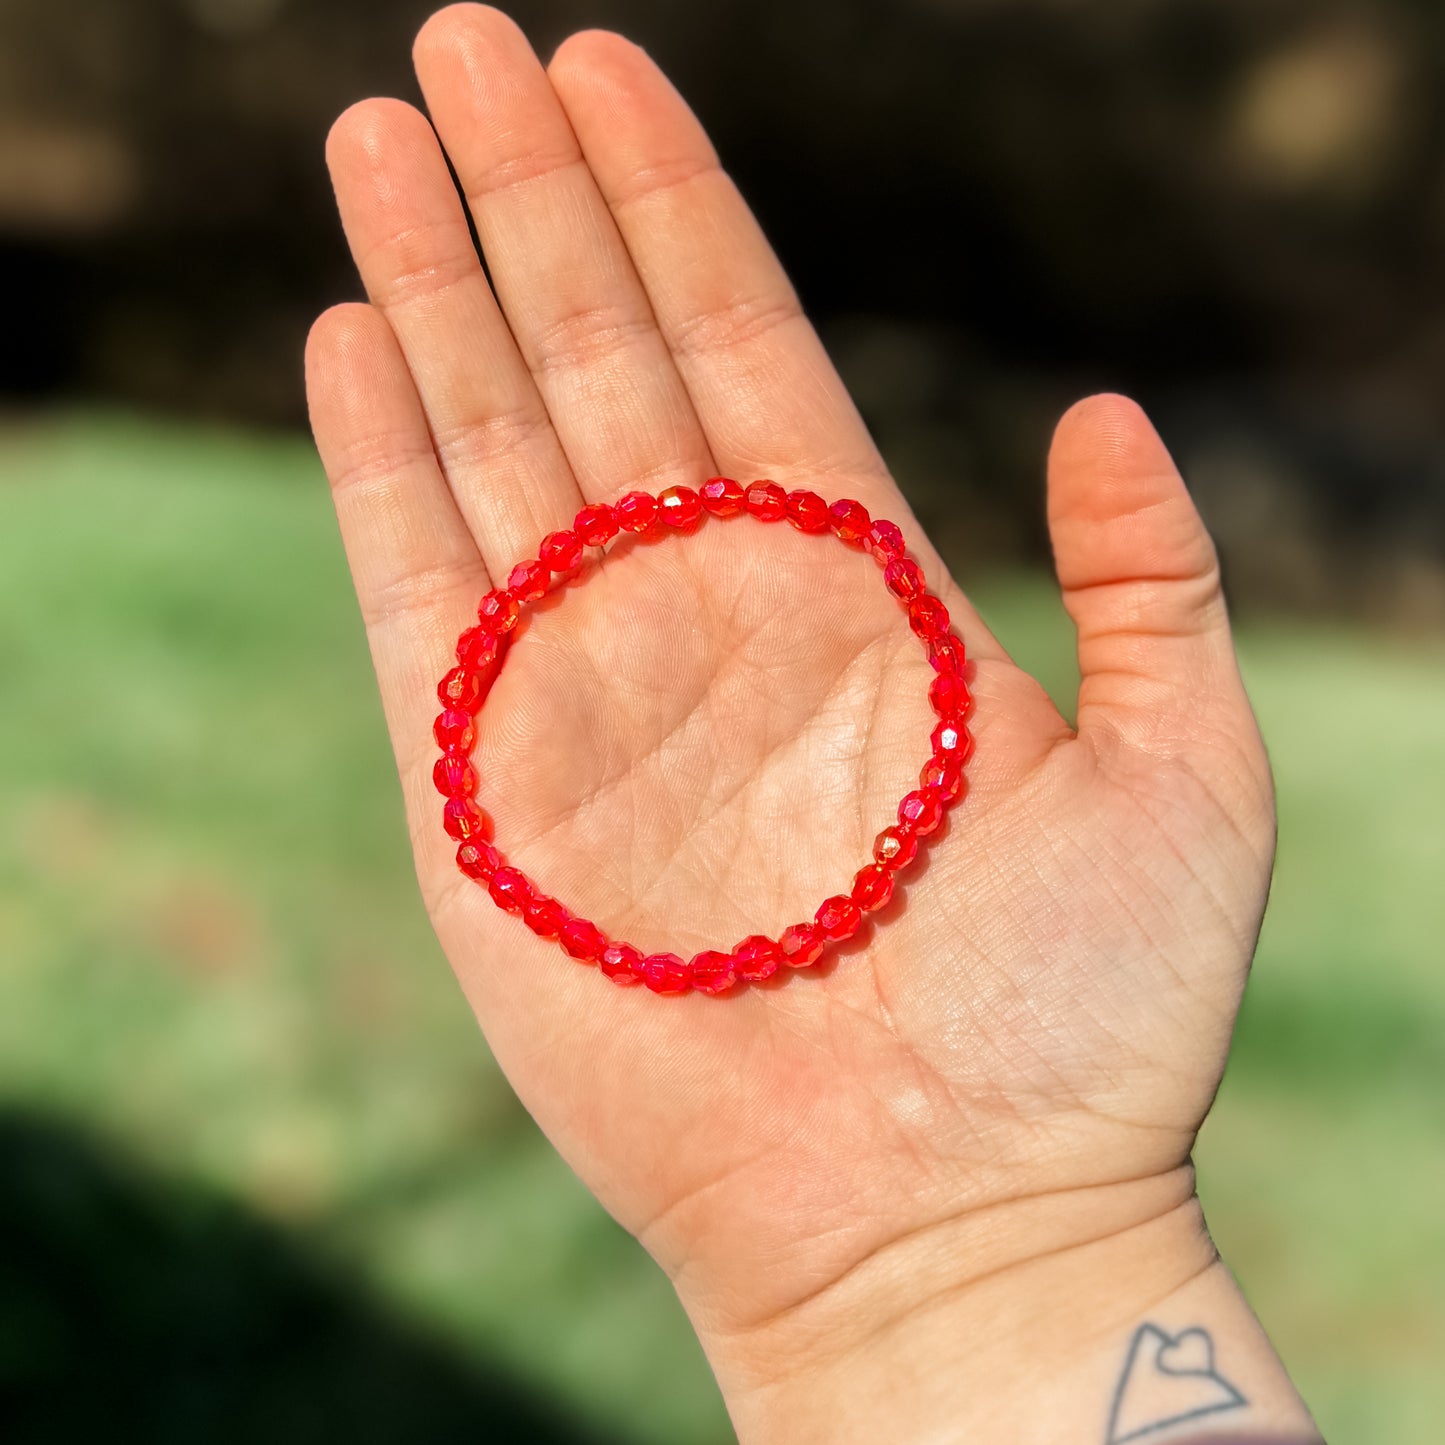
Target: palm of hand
700, 739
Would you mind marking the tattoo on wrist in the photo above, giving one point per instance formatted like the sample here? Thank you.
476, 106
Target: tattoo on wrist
1167, 1380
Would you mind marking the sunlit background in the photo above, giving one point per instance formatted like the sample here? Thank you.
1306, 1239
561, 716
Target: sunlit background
259, 1178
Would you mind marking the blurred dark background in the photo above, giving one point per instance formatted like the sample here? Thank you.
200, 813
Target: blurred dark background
259, 1178
1234, 210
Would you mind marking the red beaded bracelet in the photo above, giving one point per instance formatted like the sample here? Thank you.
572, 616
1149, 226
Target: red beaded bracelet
480, 651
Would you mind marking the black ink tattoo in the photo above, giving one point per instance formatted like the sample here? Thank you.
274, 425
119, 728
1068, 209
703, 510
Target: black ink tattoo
1166, 1380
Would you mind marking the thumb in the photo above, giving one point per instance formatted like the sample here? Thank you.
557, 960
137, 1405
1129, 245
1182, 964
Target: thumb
1140, 579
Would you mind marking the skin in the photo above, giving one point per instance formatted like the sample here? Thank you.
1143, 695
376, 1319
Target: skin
1004, 1075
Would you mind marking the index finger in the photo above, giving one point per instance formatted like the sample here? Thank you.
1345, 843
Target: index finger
769, 399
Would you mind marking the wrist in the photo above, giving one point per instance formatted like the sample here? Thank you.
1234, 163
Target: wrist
1018, 1323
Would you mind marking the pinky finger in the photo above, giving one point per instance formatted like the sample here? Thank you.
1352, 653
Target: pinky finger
415, 566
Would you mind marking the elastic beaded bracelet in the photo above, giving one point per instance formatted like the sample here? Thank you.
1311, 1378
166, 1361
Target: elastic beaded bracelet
482, 648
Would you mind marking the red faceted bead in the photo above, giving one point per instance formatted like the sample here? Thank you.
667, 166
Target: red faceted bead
622, 963
945, 654
461, 688
722, 496
509, 888
839, 917
766, 501
849, 520
801, 945
478, 859
894, 848
665, 973
756, 958
679, 506
885, 542
952, 739
463, 820
478, 648
927, 616
872, 887
582, 939
807, 511
921, 811
561, 551
498, 610
528, 580
455, 729
713, 972
944, 773
596, 525
903, 577
636, 512
950, 696
544, 916
454, 776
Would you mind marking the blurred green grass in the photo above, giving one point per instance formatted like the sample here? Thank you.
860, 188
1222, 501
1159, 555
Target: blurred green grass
212, 952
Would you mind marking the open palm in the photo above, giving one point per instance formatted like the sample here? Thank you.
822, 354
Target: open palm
699, 738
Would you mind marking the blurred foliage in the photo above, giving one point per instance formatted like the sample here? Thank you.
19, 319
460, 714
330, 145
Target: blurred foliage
1231, 209
258, 1164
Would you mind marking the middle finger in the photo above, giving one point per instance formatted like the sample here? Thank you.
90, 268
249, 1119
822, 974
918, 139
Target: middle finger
561, 271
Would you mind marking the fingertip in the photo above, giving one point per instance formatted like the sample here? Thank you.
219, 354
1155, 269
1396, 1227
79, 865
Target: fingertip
629, 118
1108, 438
461, 30
367, 128
338, 333
356, 381
588, 50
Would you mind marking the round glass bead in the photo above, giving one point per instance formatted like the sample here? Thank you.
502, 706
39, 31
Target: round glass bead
849, 520
544, 916
872, 887
478, 648
945, 654
921, 811
839, 918
622, 963
583, 939
461, 688
885, 542
498, 611
679, 506
665, 973
454, 776
722, 496
894, 848
509, 889
951, 738
756, 958
713, 972
463, 820
800, 945
478, 859
766, 501
528, 580
903, 577
807, 511
950, 696
596, 525
636, 512
944, 773
455, 729
927, 616
561, 551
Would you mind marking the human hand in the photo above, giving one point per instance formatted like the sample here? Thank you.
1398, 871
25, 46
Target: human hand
1001, 1078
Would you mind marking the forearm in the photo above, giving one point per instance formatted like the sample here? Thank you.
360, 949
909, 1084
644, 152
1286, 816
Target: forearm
1141, 1334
